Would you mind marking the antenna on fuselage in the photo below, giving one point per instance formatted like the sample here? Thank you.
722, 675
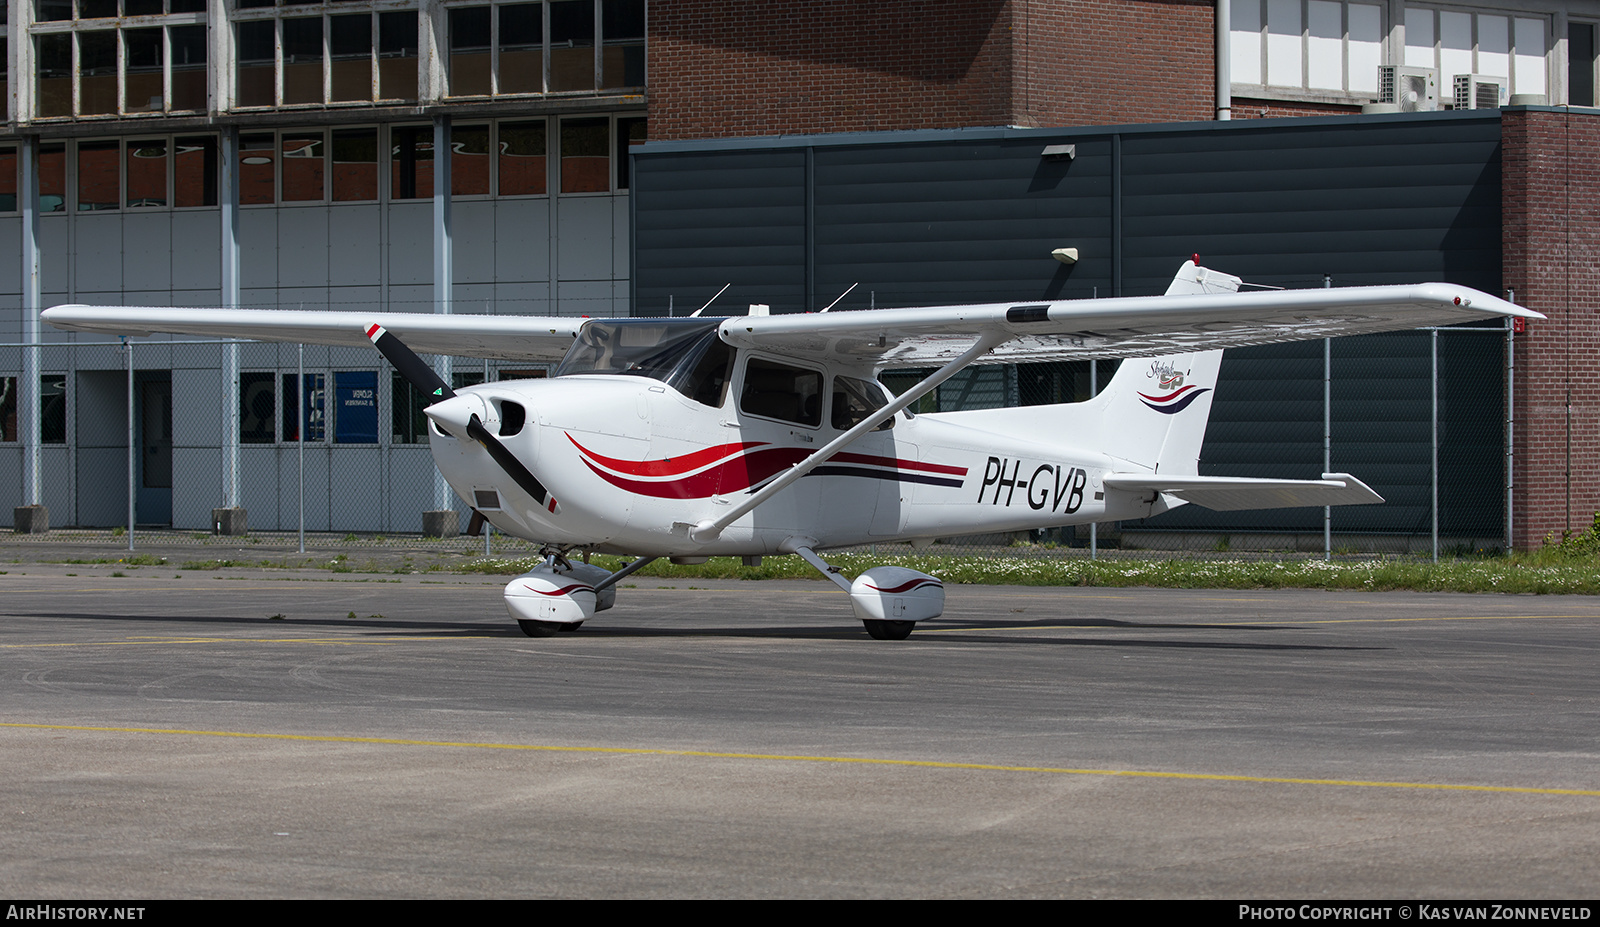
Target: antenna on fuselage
842, 296
696, 314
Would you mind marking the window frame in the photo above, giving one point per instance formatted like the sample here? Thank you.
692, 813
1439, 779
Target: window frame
1512, 16
76, 28
547, 46
325, 12
751, 357
1303, 87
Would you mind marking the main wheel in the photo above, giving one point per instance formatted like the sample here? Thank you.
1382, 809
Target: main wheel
888, 630
539, 628
570, 625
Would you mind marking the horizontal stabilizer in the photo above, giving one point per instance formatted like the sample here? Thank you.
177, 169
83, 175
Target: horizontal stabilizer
1233, 493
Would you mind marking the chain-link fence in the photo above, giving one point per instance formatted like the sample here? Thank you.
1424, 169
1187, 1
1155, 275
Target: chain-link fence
332, 444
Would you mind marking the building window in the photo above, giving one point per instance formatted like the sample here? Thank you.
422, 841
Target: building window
302, 157
8, 408
563, 46
53, 177
53, 409
194, 171
469, 160
1491, 44
312, 407
1580, 64
153, 68
1326, 46
258, 181
411, 162
258, 408
355, 410
586, 155
522, 158
355, 164
99, 180
8, 179
342, 56
630, 133
147, 173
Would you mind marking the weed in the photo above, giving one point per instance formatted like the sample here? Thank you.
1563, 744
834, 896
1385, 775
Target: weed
118, 531
278, 617
119, 573
351, 616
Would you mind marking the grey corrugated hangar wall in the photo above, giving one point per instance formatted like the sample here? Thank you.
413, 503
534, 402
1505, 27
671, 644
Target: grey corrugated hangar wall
929, 218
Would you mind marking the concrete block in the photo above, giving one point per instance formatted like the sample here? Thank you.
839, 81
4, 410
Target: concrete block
228, 522
30, 519
443, 523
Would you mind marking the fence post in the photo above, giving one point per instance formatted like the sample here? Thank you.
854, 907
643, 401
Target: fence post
28, 407
127, 348
1094, 389
1433, 342
1327, 430
1511, 415
300, 445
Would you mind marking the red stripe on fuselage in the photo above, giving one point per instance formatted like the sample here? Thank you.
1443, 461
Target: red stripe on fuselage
667, 466
734, 475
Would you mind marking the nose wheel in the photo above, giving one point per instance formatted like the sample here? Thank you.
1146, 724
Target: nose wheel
883, 630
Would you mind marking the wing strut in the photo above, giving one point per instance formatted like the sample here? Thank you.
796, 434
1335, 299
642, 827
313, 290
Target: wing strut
709, 530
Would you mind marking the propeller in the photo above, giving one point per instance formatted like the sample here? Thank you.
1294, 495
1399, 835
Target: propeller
423, 377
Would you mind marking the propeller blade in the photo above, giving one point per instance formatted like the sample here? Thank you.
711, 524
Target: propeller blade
508, 461
411, 366
422, 376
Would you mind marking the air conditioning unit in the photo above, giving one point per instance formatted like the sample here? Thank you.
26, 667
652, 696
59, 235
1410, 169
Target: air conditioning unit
1414, 90
1475, 91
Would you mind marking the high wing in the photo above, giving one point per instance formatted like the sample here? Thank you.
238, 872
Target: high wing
1182, 321
506, 337
1232, 493
1122, 327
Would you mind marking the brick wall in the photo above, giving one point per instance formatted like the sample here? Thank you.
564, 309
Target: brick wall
729, 68
1097, 63
1550, 204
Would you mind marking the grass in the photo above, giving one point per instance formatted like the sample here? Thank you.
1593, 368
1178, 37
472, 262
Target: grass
1552, 570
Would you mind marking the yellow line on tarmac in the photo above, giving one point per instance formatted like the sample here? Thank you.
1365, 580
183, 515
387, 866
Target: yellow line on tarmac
801, 758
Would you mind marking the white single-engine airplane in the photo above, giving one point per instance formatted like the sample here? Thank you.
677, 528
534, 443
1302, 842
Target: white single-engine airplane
757, 435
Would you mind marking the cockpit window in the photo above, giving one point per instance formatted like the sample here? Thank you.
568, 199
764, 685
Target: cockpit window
653, 348
774, 390
854, 400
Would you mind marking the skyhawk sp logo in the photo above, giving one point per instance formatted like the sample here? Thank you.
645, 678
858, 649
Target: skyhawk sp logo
1178, 397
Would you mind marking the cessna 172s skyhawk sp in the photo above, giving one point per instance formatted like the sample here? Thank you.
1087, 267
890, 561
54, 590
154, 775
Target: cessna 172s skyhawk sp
687, 438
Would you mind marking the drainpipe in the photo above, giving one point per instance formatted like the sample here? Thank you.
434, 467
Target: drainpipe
1224, 61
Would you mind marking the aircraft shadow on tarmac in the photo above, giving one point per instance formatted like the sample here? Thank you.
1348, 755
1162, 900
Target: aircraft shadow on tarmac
969, 632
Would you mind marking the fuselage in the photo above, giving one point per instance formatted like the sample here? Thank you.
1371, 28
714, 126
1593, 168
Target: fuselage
630, 464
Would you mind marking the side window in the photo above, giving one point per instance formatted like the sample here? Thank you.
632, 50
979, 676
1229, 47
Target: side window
854, 400
774, 390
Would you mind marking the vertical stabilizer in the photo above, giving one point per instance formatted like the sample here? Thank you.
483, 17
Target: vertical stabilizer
1153, 413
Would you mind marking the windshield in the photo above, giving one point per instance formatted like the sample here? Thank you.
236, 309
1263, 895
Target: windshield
634, 347
685, 354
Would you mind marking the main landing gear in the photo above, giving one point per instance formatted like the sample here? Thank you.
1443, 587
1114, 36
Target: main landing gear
888, 600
